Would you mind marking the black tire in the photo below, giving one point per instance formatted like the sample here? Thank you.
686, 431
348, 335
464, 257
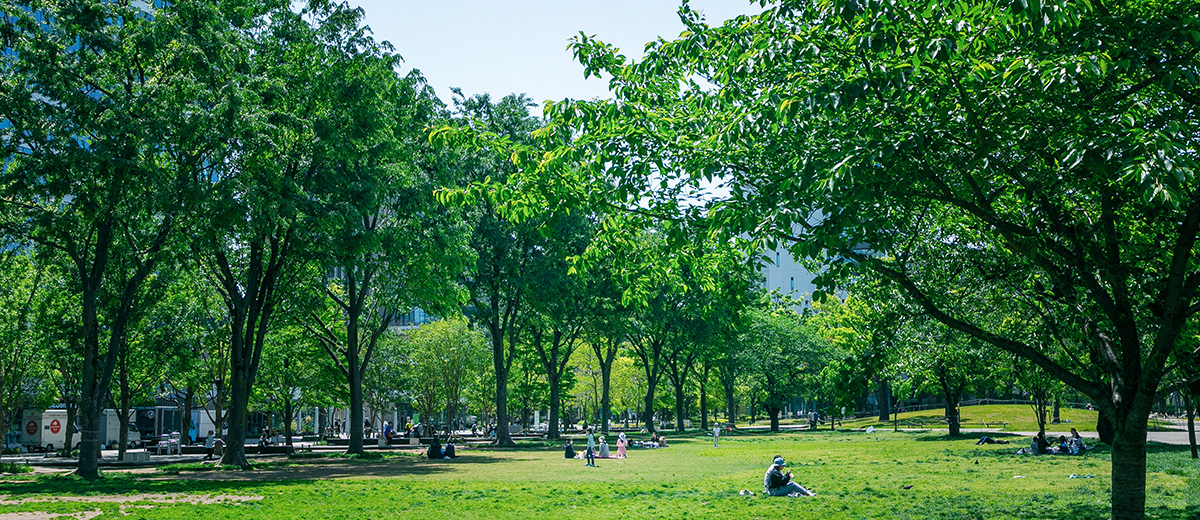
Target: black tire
50, 447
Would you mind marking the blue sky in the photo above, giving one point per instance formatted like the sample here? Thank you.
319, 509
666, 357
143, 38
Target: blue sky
505, 47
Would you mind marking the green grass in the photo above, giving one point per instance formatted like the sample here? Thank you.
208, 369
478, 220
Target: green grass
1011, 417
857, 475
15, 467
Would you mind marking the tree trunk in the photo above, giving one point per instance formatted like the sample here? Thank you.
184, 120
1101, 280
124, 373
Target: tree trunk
952, 418
188, 396
125, 401
501, 369
552, 428
235, 418
606, 398
1129, 470
1104, 429
704, 401
774, 413
287, 422
730, 411
356, 400
649, 407
1057, 410
679, 408
885, 400
1191, 418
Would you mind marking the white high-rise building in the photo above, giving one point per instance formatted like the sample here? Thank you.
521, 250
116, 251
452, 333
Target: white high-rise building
782, 272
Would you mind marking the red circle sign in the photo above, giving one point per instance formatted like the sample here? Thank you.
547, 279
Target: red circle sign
31, 428
55, 426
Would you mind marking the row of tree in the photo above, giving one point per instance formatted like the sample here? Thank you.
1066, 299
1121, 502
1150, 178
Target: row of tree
1023, 172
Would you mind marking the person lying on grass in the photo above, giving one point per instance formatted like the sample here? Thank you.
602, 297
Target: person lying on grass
778, 484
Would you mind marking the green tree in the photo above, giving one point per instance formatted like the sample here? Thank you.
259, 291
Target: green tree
1047, 149
499, 280
558, 305
23, 356
442, 357
786, 353
103, 102
388, 247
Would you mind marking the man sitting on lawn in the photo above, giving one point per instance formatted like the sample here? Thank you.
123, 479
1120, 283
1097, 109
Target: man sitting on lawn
777, 484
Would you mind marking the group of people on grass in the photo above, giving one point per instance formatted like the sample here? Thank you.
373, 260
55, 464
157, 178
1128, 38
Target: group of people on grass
436, 451
597, 451
1064, 445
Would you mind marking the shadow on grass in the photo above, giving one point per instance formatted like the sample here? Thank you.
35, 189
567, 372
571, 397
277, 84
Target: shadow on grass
944, 437
120, 484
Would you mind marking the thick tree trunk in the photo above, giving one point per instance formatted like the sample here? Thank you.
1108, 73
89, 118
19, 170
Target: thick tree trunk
356, 401
1129, 470
774, 413
1104, 429
1057, 417
90, 402
236, 416
952, 418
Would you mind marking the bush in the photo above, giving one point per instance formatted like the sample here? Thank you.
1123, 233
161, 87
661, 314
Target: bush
13, 467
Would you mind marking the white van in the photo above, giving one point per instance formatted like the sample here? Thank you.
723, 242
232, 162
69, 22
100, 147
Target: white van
48, 429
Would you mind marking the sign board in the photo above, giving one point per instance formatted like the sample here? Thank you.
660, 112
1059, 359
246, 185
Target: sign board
31, 428
55, 426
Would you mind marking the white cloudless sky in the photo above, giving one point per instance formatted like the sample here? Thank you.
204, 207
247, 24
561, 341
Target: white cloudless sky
503, 47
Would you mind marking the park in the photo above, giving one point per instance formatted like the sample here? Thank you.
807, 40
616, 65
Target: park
940, 258
882, 474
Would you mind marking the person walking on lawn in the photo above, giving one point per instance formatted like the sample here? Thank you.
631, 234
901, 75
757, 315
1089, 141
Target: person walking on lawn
209, 444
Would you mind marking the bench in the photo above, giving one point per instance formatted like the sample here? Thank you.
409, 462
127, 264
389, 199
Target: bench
136, 456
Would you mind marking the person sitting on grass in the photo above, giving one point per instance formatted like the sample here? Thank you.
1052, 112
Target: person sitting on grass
435, 449
449, 453
778, 484
1039, 446
603, 448
1077, 441
569, 453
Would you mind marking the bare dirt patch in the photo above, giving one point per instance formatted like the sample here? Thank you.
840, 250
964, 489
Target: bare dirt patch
125, 501
162, 498
325, 469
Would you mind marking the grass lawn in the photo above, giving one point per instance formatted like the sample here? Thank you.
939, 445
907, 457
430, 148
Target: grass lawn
1010, 417
1019, 418
857, 475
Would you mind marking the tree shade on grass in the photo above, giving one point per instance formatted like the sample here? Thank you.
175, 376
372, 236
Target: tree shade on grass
856, 476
